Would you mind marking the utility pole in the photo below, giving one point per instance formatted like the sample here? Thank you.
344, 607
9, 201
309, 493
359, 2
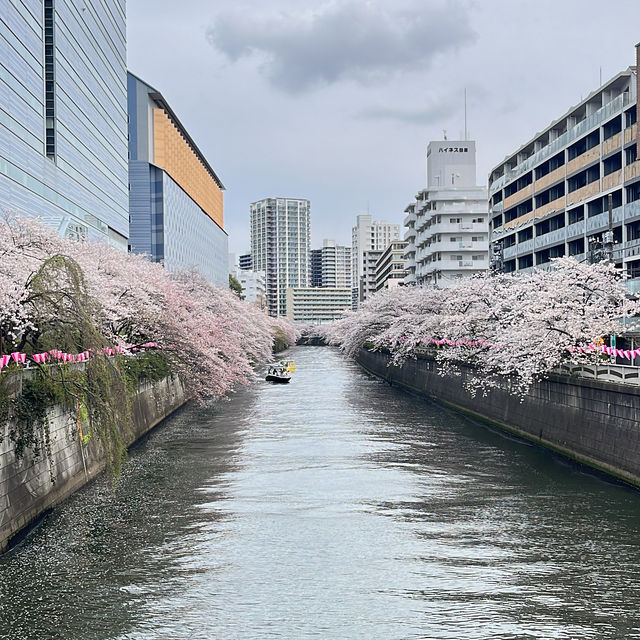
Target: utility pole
607, 236
496, 259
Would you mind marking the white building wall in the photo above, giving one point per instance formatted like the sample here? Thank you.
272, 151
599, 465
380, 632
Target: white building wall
280, 231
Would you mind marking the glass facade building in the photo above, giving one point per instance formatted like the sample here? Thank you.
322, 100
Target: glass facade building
63, 115
175, 197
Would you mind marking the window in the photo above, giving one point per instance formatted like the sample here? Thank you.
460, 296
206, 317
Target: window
49, 80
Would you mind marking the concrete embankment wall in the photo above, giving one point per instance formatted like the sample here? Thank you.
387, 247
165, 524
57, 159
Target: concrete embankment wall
594, 423
30, 486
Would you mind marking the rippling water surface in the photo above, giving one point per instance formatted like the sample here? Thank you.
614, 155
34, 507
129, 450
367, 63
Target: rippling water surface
335, 507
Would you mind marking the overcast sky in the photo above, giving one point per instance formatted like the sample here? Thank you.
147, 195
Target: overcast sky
336, 101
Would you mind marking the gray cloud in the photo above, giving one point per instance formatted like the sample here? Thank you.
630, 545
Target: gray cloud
429, 115
353, 40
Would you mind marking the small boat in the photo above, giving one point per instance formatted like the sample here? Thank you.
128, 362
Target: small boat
288, 365
278, 374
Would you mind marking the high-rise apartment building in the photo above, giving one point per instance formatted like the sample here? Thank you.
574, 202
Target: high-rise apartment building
368, 278
175, 196
63, 131
447, 230
550, 197
331, 265
244, 261
368, 235
280, 230
390, 270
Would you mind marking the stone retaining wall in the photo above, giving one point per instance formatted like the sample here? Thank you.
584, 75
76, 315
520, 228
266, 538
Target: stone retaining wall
29, 487
595, 423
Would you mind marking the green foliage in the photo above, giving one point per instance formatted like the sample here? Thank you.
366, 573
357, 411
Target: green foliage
280, 342
235, 286
27, 412
149, 366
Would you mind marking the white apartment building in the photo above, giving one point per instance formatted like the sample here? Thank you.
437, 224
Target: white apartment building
368, 278
447, 230
390, 270
368, 235
550, 197
331, 265
316, 305
280, 230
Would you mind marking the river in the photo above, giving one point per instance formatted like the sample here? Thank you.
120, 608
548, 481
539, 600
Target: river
334, 507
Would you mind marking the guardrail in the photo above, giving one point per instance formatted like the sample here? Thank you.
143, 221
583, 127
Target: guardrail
621, 373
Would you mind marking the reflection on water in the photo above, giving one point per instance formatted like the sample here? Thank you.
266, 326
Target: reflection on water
334, 507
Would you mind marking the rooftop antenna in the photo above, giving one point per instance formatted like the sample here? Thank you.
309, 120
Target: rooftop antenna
444, 132
465, 112
600, 76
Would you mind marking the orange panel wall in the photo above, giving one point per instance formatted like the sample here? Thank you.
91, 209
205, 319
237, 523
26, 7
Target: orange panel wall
173, 154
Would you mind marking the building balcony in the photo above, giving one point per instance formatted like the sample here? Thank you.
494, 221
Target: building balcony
585, 192
409, 234
552, 238
601, 221
554, 205
631, 133
525, 247
510, 252
550, 178
583, 160
612, 180
527, 217
632, 171
409, 219
518, 196
576, 229
612, 143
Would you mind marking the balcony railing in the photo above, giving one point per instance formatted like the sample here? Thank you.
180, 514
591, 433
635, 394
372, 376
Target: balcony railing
612, 180
550, 178
632, 170
518, 196
554, 205
584, 192
631, 133
583, 160
611, 144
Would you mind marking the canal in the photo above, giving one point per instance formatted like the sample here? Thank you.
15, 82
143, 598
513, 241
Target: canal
337, 507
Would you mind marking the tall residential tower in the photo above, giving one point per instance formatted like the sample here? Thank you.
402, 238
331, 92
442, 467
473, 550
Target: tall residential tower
367, 236
280, 231
447, 225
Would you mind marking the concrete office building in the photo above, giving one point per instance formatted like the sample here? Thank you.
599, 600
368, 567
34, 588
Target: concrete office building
317, 305
366, 236
331, 265
63, 124
447, 229
280, 230
253, 286
390, 270
368, 277
549, 198
175, 198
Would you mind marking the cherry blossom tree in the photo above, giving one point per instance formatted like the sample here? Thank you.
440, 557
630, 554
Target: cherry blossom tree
519, 327
48, 284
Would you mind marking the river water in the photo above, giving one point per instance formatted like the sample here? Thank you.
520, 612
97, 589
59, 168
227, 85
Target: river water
335, 507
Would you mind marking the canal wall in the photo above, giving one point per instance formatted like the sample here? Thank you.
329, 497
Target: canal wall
595, 423
30, 486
